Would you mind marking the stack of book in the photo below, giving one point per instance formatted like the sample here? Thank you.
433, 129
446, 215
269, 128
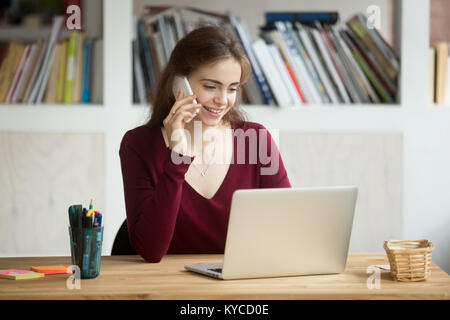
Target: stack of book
301, 58
52, 71
155, 35
439, 81
305, 59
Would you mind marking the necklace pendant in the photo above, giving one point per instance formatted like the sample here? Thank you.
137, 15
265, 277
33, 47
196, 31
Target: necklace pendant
203, 173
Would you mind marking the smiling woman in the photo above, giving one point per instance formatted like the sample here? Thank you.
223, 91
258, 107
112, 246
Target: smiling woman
177, 189
192, 55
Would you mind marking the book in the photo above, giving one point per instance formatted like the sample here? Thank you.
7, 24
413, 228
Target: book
76, 94
387, 50
432, 74
447, 85
361, 30
86, 82
303, 17
3, 52
18, 73
308, 63
344, 70
384, 95
70, 67
154, 54
389, 85
317, 64
44, 80
272, 75
37, 91
18, 94
285, 44
322, 42
441, 71
37, 65
164, 29
62, 72
137, 67
257, 88
97, 73
146, 55
359, 76
157, 42
9, 68
52, 85
287, 80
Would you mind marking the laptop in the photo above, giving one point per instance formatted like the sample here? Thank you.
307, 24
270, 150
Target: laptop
286, 232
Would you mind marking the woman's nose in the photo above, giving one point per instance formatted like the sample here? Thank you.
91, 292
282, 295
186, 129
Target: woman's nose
221, 97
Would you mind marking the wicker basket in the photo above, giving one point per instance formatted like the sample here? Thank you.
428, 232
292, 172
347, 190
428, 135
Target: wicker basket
410, 260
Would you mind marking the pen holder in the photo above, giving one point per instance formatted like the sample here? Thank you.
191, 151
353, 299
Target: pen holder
86, 250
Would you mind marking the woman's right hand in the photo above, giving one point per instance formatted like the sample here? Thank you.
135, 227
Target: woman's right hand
182, 109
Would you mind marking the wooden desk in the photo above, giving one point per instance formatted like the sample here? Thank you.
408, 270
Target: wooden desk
129, 277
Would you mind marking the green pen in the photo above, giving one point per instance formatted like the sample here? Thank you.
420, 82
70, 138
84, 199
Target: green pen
87, 231
72, 221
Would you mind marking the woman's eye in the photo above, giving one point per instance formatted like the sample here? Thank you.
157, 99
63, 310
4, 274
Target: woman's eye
209, 87
233, 89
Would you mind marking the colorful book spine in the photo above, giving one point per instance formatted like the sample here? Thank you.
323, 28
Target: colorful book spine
303, 17
86, 86
62, 72
368, 73
70, 68
242, 33
18, 74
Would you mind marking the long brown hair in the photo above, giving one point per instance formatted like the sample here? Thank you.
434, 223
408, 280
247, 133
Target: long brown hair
201, 46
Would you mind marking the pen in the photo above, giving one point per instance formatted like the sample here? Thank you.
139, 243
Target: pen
87, 230
78, 232
99, 220
99, 246
72, 221
91, 209
72, 216
94, 250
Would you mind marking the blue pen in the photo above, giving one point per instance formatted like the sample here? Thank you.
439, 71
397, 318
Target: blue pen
87, 244
99, 220
99, 249
98, 217
94, 250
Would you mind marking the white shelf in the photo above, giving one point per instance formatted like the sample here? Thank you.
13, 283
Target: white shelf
53, 118
28, 33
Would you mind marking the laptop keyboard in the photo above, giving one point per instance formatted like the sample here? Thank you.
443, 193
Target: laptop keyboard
219, 270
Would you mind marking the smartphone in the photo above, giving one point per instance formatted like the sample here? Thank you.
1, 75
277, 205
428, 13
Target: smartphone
181, 82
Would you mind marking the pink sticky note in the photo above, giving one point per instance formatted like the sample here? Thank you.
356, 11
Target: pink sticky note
14, 271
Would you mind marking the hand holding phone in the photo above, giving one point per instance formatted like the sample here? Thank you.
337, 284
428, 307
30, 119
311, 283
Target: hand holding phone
181, 112
182, 83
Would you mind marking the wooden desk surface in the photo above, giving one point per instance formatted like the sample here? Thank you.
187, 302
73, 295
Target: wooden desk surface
130, 277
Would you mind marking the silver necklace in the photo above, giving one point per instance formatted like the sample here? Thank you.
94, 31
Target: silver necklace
203, 172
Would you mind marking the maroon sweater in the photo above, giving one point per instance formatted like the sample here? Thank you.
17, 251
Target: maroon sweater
165, 214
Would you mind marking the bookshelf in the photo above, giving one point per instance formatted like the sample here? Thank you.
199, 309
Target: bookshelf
439, 34
420, 127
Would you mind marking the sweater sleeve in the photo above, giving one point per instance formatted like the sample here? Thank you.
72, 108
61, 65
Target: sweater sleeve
270, 165
151, 206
